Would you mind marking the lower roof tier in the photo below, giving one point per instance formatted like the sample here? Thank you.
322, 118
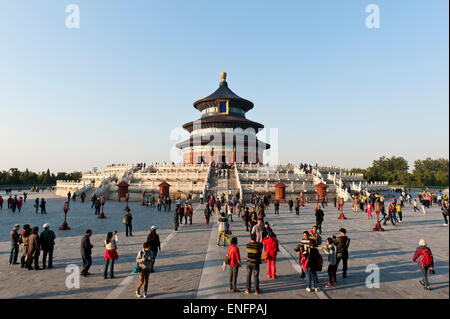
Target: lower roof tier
213, 140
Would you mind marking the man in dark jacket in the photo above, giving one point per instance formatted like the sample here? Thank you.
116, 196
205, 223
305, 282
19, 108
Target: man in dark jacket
319, 219
290, 204
97, 206
342, 243
277, 207
128, 224
43, 208
14, 236
47, 244
86, 253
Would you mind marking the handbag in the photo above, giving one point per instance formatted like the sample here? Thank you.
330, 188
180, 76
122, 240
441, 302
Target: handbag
265, 255
136, 269
226, 260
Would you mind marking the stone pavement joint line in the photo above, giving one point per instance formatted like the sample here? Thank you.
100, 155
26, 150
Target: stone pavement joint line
297, 268
210, 262
121, 287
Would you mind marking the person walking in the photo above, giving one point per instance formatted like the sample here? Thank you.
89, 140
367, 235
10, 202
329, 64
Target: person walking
186, 213
20, 204
47, 239
399, 212
277, 207
154, 244
253, 218
110, 254
270, 253
297, 207
1, 203
319, 218
127, 220
43, 206
175, 218
234, 261
14, 238
86, 253
312, 266
342, 243
369, 209
444, 209
330, 250
190, 213
223, 222
246, 217
33, 250
415, 206
425, 261
93, 200
36, 205
97, 205
254, 250
259, 230
207, 213
143, 260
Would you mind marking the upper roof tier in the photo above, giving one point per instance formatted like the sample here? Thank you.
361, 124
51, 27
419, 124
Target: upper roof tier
223, 92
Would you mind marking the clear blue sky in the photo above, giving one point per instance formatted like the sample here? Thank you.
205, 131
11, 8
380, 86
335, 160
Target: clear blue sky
112, 91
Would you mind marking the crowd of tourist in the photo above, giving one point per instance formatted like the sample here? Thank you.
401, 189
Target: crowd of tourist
262, 245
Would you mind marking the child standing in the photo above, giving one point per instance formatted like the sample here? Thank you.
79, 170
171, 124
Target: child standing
330, 250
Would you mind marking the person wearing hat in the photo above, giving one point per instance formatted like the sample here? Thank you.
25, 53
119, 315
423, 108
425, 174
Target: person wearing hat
154, 244
342, 243
14, 236
47, 241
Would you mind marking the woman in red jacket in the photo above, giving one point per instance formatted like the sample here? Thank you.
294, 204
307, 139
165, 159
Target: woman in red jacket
235, 262
271, 249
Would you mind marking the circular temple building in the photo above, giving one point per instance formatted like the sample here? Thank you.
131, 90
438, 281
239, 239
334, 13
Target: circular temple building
223, 134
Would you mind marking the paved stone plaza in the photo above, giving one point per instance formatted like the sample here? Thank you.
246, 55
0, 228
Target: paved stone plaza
189, 265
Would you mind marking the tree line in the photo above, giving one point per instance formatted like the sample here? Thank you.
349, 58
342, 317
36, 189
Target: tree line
395, 170
15, 177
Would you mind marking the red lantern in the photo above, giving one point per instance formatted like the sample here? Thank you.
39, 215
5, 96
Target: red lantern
341, 208
66, 208
377, 225
102, 202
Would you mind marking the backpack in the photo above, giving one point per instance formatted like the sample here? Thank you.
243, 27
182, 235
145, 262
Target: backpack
427, 258
319, 241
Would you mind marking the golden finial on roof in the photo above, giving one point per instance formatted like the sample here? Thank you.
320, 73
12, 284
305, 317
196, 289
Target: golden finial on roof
224, 76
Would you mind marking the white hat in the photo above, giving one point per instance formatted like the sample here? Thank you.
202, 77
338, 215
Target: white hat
46, 226
422, 242
153, 227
